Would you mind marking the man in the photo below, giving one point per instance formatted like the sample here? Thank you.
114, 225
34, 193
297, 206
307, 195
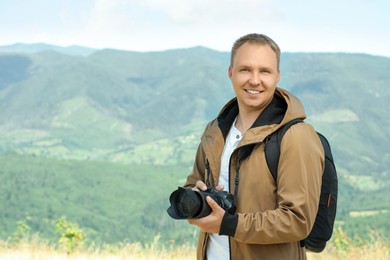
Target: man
272, 217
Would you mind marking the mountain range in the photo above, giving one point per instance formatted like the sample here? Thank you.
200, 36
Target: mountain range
54, 104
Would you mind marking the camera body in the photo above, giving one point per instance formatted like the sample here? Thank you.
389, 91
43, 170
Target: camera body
224, 199
187, 203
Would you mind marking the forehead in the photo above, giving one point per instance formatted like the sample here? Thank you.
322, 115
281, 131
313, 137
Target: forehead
254, 53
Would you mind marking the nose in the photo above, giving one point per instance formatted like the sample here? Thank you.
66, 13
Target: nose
255, 79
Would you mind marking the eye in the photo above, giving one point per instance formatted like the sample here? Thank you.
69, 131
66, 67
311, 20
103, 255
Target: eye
265, 71
244, 69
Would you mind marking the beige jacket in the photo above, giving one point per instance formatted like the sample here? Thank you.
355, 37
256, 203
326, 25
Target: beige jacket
271, 217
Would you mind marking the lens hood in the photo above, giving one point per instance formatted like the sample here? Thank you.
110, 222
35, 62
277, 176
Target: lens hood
187, 203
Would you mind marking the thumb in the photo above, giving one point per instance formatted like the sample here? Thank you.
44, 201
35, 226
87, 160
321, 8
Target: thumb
212, 203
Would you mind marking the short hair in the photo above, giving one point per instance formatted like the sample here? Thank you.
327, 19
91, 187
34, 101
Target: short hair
255, 38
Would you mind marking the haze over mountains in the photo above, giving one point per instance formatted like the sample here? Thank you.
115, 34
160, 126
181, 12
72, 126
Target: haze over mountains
150, 108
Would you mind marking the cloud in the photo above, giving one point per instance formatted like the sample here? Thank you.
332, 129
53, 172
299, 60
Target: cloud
210, 12
218, 13
109, 15
156, 24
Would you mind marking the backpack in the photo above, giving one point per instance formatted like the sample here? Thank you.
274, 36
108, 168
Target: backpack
323, 225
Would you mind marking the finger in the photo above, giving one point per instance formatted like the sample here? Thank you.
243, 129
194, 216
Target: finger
201, 185
193, 221
219, 187
196, 222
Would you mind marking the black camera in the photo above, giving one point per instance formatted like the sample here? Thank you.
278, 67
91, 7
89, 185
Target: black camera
187, 203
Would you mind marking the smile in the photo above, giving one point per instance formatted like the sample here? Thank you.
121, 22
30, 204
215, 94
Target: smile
251, 91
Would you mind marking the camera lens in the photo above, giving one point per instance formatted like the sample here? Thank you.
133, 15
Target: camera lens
187, 205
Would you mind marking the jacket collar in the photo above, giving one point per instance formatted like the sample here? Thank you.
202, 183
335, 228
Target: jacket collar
272, 114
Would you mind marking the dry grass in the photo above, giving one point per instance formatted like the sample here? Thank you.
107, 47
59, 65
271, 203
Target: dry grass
36, 249
378, 251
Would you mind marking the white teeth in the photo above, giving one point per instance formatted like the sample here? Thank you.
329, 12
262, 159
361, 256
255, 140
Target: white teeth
253, 91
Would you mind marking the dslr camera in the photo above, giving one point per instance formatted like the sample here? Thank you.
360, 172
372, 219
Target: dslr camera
187, 203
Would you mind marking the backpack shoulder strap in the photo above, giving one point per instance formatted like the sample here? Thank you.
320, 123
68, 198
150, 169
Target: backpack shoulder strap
272, 146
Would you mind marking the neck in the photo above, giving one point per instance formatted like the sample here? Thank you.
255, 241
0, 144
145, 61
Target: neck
246, 120
246, 117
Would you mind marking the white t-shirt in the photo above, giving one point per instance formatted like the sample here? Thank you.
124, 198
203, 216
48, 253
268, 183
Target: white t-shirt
218, 246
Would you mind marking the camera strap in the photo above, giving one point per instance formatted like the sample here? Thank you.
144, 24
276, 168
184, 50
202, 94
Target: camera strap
236, 179
243, 153
207, 173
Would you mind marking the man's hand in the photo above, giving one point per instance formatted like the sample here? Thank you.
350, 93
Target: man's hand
212, 222
200, 185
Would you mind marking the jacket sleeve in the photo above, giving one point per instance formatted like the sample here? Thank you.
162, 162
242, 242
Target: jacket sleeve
300, 171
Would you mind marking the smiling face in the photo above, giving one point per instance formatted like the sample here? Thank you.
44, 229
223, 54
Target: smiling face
254, 74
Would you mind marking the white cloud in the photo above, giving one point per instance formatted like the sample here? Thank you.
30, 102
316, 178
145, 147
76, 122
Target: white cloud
156, 24
108, 15
206, 11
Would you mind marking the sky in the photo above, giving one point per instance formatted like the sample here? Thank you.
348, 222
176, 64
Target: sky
352, 26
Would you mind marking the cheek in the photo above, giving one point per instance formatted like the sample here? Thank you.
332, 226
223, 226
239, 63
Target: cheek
239, 79
235, 82
270, 82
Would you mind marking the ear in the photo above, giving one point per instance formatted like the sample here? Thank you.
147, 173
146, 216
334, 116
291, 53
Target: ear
230, 72
278, 76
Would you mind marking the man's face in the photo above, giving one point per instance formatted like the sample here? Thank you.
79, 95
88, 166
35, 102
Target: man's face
254, 75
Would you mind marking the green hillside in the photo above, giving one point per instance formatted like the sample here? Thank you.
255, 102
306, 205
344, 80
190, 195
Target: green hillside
104, 138
111, 202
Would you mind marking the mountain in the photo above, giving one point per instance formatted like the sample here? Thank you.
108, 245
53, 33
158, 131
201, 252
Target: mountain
150, 108
345, 96
75, 50
128, 97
